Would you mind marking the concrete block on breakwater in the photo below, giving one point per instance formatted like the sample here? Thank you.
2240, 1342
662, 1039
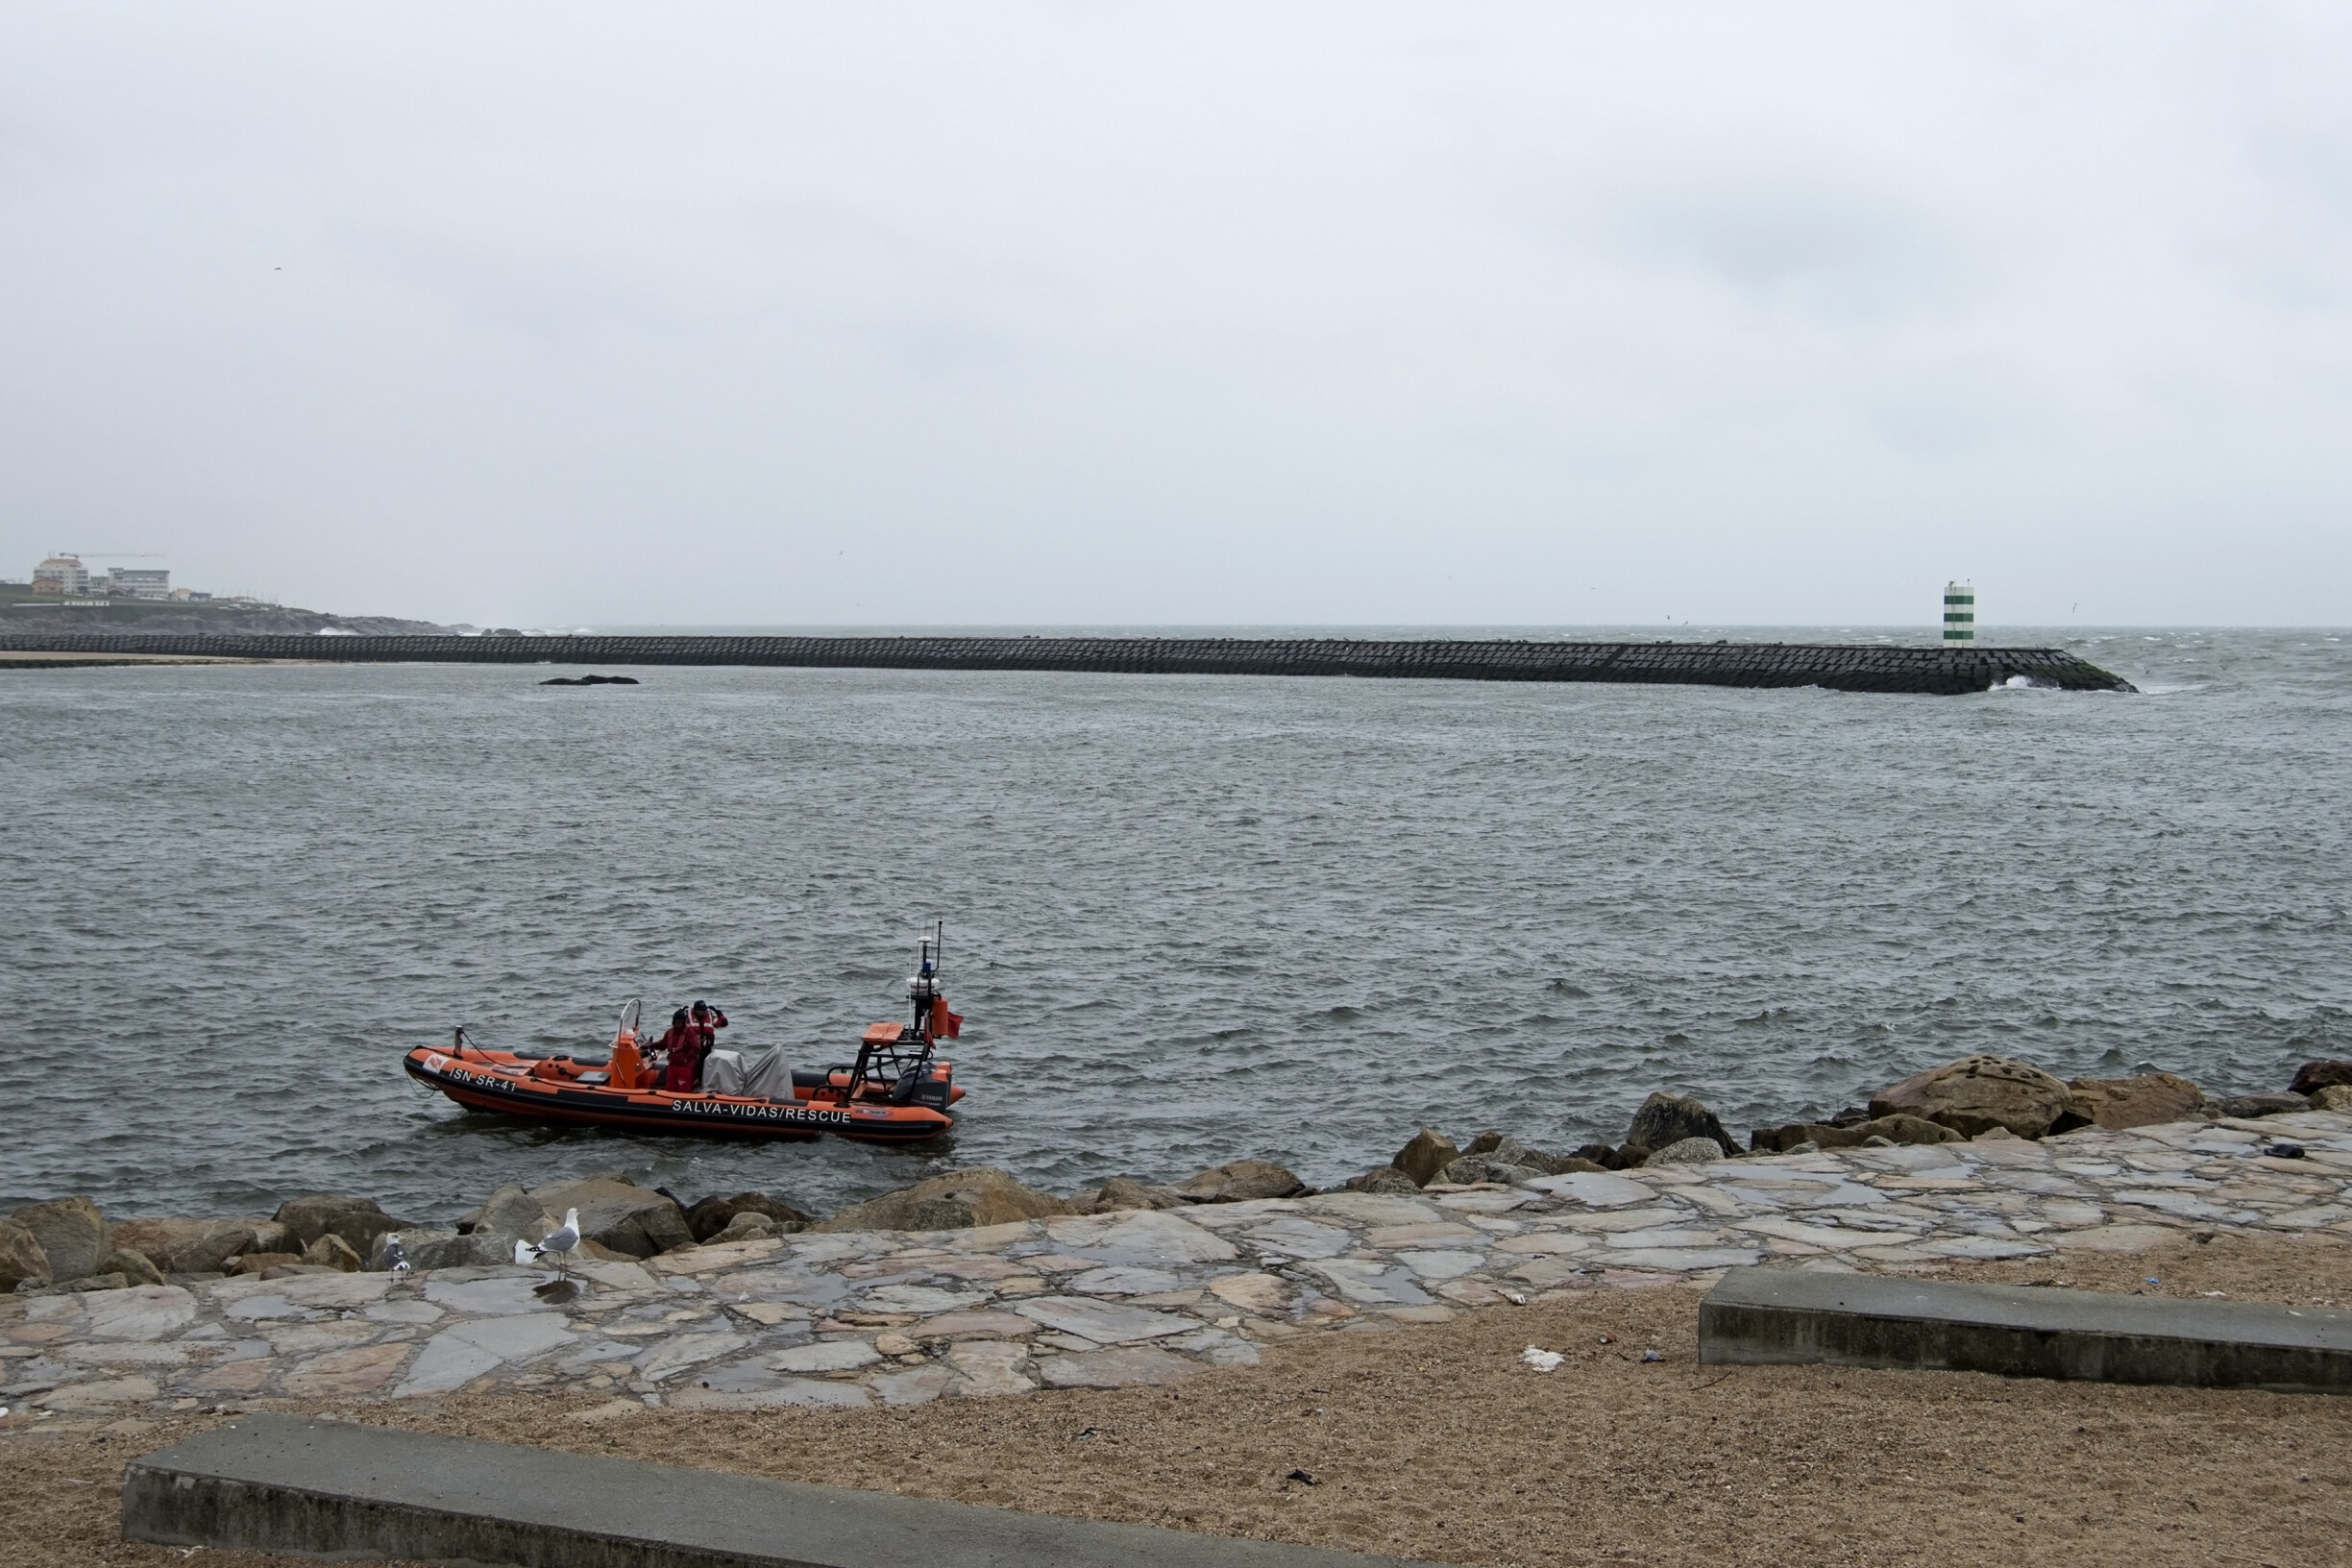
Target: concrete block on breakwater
1768, 1316
271, 1484
1839, 667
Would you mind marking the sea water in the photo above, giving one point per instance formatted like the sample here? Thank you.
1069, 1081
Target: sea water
1189, 919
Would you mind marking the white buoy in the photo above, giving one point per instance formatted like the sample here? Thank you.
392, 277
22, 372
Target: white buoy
1959, 613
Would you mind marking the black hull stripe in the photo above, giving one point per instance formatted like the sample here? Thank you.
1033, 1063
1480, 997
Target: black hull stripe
799, 1124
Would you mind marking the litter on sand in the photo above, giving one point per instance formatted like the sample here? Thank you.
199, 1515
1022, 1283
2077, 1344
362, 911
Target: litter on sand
1540, 1359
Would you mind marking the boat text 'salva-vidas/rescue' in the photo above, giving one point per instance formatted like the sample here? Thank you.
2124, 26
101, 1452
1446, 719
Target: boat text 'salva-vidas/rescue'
897, 1090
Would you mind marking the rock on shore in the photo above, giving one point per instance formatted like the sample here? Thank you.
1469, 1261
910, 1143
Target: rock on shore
614, 1212
357, 1221
1896, 1129
74, 1236
1666, 1120
714, 1216
2314, 1076
21, 1258
199, 1246
1977, 1094
1242, 1181
2149, 1100
957, 1201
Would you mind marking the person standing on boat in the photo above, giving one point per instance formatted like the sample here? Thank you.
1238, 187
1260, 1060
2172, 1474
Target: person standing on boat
684, 1047
708, 1021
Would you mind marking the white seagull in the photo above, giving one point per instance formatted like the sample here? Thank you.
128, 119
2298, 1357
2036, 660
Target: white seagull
396, 1259
559, 1245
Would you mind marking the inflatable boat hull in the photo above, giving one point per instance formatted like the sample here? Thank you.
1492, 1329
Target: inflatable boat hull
512, 1085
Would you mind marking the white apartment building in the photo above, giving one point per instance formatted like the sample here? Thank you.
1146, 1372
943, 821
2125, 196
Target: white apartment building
140, 582
62, 575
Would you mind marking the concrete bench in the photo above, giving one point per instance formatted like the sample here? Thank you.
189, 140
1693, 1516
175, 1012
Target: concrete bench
1767, 1316
275, 1484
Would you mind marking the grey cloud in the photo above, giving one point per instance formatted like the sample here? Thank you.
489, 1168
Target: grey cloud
1220, 313
1788, 236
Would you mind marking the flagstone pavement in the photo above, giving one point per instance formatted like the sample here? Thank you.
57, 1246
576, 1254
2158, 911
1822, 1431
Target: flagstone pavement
1142, 1296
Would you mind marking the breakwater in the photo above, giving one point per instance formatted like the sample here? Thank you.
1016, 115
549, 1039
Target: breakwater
1839, 667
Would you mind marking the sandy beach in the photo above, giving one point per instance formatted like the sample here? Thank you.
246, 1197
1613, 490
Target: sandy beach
1432, 1441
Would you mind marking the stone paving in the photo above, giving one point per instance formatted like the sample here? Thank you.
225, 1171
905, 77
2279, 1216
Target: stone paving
1141, 1296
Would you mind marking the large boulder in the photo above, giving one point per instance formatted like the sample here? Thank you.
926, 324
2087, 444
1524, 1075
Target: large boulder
331, 1251
358, 1222
712, 1215
510, 1211
73, 1236
1389, 1181
1428, 1152
1240, 1182
133, 1266
1665, 1119
22, 1257
196, 1247
1124, 1192
957, 1201
1473, 1168
616, 1212
2149, 1100
2332, 1097
1977, 1094
751, 1225
2314, 1076
1509, 1151
1690, 1151
427, 1250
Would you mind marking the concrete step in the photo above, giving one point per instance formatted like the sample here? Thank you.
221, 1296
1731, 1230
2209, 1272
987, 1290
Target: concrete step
277, 1483
1767, 1316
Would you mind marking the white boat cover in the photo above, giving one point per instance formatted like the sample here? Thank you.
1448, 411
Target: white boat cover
767, 1076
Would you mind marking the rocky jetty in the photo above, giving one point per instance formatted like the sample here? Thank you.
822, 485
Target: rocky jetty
1152, 1294
1871, 667
67, 1244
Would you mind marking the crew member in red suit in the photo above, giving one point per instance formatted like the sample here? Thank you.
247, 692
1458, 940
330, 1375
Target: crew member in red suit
684, 1045
708, 1021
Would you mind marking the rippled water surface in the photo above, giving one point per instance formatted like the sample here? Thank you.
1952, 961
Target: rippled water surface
1190, 919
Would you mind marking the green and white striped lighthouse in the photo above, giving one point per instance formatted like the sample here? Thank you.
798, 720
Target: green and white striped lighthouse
1959, 613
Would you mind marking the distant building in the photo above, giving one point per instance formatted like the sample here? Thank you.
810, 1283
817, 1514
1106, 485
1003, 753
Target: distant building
192, 596
140, 582
62, 575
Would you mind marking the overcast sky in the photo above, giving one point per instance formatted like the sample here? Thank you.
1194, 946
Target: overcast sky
1189, 312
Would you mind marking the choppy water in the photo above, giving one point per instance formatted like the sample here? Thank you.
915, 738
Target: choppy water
1189, 919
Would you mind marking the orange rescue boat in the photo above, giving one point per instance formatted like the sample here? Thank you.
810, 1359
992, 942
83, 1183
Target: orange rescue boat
898, 1090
